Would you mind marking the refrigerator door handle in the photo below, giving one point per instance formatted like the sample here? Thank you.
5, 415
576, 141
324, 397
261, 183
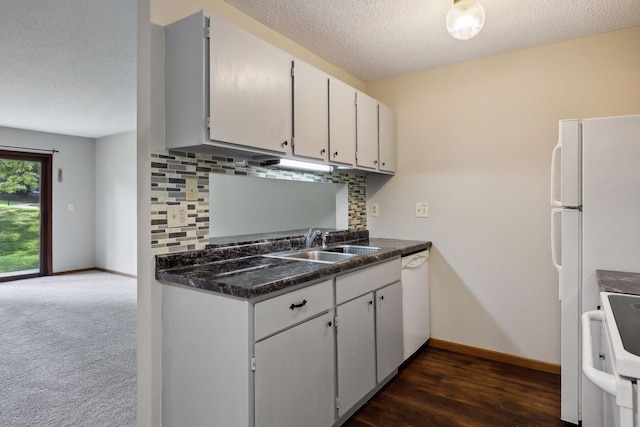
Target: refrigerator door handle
555, 173
555, 214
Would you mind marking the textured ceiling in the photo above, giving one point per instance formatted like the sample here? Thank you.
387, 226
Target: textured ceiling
373, 39
68, 66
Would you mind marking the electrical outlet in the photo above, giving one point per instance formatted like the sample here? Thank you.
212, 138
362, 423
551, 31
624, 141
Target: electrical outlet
375, 209
177, 216
422, 210
192, 189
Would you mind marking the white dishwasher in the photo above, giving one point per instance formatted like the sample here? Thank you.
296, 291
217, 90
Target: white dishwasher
415, 300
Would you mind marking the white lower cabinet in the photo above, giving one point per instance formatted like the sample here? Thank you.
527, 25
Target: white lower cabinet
389, 340
294, 381
369, 343
287, 361
369, 331
356, 345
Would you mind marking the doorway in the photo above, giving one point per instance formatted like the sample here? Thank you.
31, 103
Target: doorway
25, 215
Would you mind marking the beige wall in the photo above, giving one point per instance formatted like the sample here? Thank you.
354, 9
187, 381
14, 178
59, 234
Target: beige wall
474, 141
164, 12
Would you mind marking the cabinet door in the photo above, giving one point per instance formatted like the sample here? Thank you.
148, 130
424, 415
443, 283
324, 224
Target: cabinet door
387, 143
389, 344
356, 350
294, 378
342, 123
367, 132
249, 89
310, 111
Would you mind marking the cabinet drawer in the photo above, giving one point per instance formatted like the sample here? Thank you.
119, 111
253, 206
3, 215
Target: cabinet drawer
352, 285
285, 310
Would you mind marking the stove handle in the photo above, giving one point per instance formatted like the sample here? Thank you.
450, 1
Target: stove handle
602, 380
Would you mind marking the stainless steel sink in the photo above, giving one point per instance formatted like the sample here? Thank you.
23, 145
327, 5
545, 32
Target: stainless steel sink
313, 256
353, 249
329, 255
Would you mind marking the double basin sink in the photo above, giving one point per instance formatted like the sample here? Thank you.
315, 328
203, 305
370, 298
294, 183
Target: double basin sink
329, 255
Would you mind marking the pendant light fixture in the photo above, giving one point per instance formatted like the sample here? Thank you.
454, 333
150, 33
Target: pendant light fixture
465, 19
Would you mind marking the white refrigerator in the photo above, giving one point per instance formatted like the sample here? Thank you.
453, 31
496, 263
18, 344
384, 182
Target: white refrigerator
595, 225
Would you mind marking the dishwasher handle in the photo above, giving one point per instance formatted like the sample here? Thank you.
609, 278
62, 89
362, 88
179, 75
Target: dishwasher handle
602, 380
415, 260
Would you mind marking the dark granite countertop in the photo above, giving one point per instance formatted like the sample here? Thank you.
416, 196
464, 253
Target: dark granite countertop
618, 281
242, 271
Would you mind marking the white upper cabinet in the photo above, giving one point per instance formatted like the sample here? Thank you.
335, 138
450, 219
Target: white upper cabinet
186, 103
226, 89
367, 132
310, 112
342, 123
231, 93
249, 89
387, 138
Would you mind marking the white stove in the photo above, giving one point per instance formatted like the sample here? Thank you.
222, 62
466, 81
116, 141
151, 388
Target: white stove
620, 367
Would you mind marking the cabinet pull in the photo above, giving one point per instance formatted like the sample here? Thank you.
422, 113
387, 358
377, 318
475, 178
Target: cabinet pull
375, 162
302, 304
329, 324
335, 154
284, 144
383, 163
323, 151
382, 297
371, 302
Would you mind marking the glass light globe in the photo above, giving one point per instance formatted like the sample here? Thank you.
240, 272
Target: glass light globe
465, 19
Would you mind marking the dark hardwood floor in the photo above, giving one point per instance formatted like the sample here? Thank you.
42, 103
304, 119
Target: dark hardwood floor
443, 388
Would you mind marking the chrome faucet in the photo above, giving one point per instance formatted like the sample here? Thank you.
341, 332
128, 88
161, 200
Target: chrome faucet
310, 237
324, 239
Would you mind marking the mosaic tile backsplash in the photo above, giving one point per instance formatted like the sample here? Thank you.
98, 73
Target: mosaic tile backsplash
171, 169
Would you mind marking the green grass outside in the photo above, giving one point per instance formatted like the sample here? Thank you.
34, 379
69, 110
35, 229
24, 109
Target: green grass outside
19, 238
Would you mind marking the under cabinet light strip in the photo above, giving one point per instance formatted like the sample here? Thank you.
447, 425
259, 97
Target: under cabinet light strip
296, 164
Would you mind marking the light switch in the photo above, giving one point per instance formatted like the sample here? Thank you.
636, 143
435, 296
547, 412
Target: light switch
177, 216
375, 209
422, 210
192, 189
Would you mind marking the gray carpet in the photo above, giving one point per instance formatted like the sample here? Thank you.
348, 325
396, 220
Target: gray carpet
68, 351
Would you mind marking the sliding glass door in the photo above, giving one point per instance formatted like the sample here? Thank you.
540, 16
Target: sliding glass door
25, 215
